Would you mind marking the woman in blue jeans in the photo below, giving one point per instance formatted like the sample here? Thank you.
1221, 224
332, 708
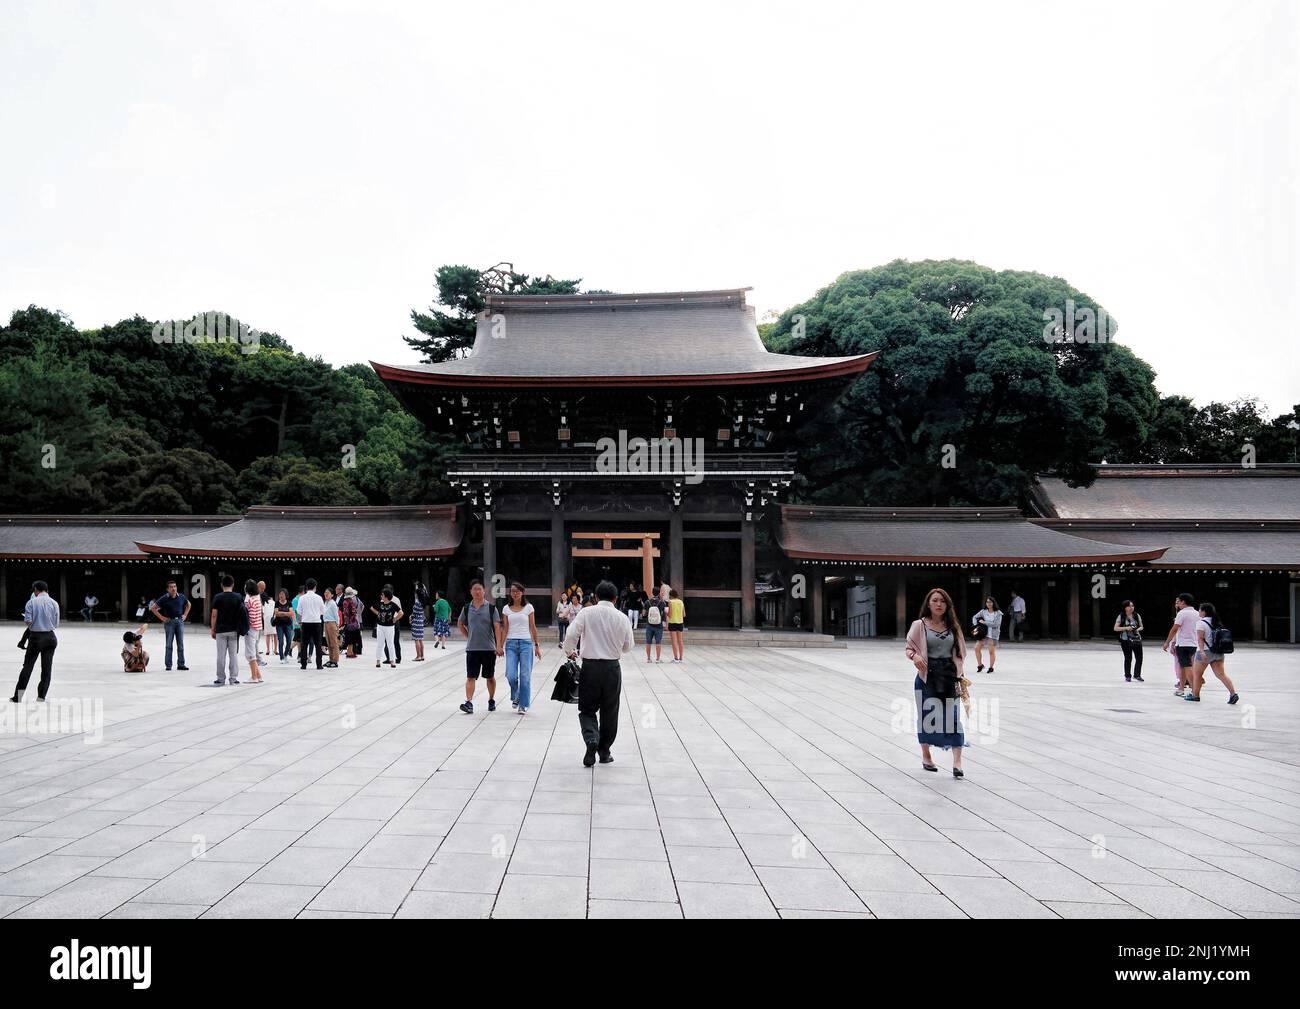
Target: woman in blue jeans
521, 647
282, 618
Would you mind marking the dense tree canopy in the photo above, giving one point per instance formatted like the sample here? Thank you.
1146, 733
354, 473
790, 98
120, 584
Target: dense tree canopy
976, 389
110, 420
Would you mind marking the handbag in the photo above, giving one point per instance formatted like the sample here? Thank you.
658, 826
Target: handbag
980, 631
566, 682
941, 678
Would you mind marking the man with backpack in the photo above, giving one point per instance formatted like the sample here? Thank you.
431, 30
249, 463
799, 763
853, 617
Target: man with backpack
655, 610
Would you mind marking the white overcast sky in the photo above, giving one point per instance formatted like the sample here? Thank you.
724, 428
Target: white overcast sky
307, 166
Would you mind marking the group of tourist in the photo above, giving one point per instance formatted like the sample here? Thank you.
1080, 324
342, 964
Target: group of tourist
936, 647
598, 627
662, 607
325, 625
1198, 640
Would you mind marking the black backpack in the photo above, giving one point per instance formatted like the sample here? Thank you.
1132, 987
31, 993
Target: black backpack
1221, 641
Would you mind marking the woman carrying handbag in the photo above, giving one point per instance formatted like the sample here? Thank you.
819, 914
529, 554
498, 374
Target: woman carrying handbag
936, 647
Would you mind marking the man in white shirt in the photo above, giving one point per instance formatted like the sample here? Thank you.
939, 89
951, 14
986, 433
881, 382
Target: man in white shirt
1018, 612
602, 633
1182, 637
311, 617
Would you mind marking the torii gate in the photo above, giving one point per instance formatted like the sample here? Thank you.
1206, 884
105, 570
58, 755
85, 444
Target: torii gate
647, 551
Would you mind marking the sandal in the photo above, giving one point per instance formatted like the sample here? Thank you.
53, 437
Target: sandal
929, 767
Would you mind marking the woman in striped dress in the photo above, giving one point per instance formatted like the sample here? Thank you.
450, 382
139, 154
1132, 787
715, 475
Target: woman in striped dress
418, 609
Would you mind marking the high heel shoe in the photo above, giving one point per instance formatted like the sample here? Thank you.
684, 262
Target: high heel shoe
929, 767
957, 772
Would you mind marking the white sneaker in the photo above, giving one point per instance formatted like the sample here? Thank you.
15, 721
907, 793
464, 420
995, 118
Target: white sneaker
1178, 691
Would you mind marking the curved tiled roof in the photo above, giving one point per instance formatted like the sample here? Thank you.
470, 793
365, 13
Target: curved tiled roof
684, 338
941, 536
286, 533
1176, 492
96, 537
1206, 545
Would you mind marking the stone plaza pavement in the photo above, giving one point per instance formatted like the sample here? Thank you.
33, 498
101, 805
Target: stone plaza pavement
749, 782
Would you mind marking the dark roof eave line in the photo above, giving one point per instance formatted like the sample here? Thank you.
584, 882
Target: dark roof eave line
840, 369
1146, 555
159, 550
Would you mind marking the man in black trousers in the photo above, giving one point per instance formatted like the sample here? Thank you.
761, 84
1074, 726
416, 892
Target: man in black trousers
601, 633
41, 615
311, 616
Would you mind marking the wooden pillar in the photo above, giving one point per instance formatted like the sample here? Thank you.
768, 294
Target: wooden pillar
747, 565
126, 597
489, 553
1096, 619
818, 609
1044, 609
4, 593
1257, 609
986, 590
212, 588
900, 607
63, 594
647, 563
559, 558
1072, 615
676, 562
425, 574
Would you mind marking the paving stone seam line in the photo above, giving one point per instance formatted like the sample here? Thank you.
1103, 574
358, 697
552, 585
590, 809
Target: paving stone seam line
1056, 861
785, 707
668, 675
1048, 854
407, 680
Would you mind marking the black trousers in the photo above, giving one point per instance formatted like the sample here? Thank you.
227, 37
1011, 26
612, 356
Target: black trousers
312, 636
1132, 656
42, 644
599, 688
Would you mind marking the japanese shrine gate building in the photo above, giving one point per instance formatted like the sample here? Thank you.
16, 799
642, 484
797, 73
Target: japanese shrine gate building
642, 437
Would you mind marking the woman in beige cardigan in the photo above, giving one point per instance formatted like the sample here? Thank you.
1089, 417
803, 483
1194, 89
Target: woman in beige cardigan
936, 647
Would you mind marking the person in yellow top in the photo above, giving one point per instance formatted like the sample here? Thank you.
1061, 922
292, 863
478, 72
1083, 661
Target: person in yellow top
676, 624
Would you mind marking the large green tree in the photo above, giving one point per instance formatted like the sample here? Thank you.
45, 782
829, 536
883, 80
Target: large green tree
969, 397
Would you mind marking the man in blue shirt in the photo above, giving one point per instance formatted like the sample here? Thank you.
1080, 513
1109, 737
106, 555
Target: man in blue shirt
41, 616
172, 608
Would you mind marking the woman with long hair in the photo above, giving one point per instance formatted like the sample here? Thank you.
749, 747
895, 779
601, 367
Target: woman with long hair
283, 621
268, 622
253, 606
936, 647
419, 607
991, 619
1128, 625
562, 616
1207, 657
520, 632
